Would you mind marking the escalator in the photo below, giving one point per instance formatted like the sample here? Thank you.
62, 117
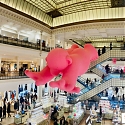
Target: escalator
110, 82
109, 54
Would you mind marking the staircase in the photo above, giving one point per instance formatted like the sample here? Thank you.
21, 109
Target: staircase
110, 83
109, 54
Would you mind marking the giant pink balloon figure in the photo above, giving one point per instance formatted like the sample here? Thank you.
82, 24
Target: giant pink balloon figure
69, 63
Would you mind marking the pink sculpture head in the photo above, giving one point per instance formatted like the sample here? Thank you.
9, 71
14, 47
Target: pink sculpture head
58, 59
91, 51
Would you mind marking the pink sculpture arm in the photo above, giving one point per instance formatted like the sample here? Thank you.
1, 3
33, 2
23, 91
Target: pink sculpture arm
41, 77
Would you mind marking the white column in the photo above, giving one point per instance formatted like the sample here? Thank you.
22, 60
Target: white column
42, 63
18, 34
40, 93
53, 41
0, 63
0, 30
41, 42
17, 63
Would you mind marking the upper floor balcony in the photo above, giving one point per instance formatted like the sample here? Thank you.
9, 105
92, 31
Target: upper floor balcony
23, 43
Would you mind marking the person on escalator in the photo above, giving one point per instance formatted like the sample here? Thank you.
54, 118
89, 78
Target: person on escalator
110, 45
107, 68
103, 49
99, 52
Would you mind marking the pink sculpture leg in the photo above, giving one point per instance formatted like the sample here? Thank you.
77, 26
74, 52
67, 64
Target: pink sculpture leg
68, 80
41, 77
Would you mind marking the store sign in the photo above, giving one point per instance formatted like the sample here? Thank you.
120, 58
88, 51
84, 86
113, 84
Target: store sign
123, 117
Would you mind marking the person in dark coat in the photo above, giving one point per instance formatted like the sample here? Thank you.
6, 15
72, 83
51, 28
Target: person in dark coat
18, 105
4, 110
31, 98
100, 112
110, 45
8, 109
15, 107
99, 52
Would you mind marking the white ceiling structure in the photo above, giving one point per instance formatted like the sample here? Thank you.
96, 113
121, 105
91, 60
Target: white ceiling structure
104, 33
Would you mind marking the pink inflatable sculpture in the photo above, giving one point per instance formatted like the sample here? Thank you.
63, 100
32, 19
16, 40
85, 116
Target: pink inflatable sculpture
69, 63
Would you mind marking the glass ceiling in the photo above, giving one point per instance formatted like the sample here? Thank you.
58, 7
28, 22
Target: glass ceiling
70, 6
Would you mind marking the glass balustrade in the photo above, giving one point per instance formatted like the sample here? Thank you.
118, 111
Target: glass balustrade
23, 43
12, 75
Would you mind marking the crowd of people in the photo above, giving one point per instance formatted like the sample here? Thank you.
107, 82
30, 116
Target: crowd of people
22, 104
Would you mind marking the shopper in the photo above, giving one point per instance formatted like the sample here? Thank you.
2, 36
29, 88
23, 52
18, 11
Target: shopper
4, 110
18, 104
100, 112
6, 95
110, 45
8, 109
15, 107
35, 95
12, 96
34, 102
31, 98
99, 52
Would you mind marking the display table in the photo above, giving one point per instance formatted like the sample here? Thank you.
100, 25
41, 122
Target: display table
60, 113
21, 118
76, 119
66, 108
117, 118
46, 107
41, 120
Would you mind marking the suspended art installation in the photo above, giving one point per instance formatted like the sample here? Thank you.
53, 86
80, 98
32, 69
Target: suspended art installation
69, 63
114, 60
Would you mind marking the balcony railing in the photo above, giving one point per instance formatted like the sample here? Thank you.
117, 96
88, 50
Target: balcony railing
22, 43
12, 75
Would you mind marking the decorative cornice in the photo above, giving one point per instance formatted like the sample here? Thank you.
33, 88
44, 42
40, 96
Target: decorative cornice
19, 18
99, 25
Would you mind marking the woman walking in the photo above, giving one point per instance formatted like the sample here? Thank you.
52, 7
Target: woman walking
8, 109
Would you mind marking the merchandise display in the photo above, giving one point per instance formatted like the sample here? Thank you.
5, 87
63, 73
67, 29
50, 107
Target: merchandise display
77, 115
37, 117
21, 118
117, 117
46, 101
63, 102
60, 113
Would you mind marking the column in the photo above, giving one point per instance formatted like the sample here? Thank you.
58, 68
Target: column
0, 30
0, 64
41, 33
42, 63
18, 34
17, 64
40, 93
53, 41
